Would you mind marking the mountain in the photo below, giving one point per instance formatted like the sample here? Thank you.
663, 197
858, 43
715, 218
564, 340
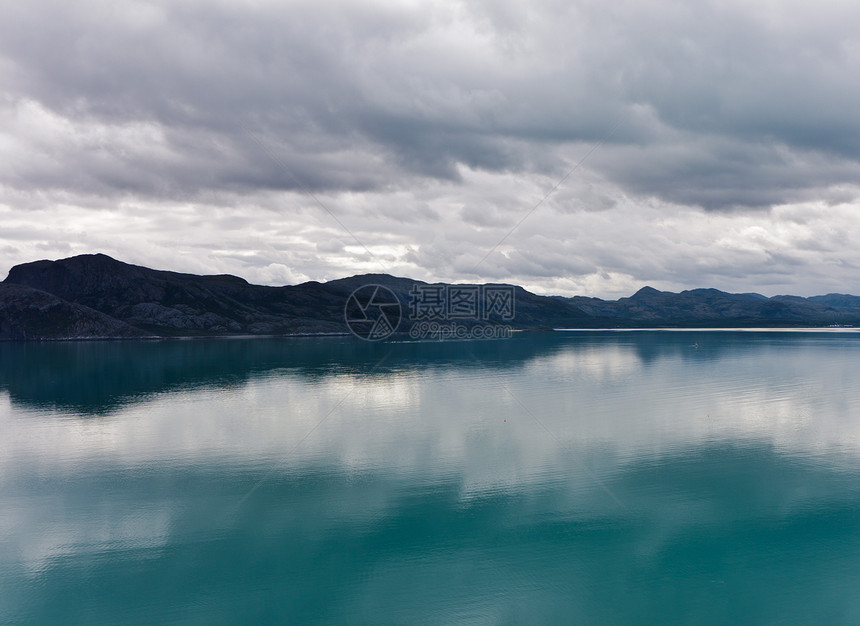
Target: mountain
96, 296
174, 304
27, 313
838, 301
167, 304
711, 307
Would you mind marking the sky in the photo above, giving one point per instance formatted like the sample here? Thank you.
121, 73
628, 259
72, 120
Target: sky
572, 147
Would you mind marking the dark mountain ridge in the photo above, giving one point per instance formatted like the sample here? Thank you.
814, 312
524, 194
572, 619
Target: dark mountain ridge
95, 295
713, 307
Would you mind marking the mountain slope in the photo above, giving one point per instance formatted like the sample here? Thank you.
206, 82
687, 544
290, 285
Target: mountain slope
171, 303
710, 307
95, 295
27, 313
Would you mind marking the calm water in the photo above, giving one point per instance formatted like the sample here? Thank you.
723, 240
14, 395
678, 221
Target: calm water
583, 477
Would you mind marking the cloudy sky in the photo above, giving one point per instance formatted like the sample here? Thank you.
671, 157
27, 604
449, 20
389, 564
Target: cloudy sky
583, 147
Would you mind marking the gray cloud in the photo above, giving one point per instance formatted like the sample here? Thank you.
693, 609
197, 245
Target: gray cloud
444, 123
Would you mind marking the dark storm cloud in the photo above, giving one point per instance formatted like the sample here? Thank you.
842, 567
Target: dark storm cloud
719, 105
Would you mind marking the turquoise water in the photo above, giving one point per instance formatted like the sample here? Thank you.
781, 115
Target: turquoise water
588, 477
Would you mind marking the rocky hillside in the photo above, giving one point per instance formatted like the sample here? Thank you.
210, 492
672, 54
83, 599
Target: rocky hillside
97, 296
27, 313
711, 307
174, 304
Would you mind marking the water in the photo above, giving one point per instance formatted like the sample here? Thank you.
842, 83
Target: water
590, 477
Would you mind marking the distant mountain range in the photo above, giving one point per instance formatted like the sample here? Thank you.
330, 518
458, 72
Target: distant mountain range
95, 296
